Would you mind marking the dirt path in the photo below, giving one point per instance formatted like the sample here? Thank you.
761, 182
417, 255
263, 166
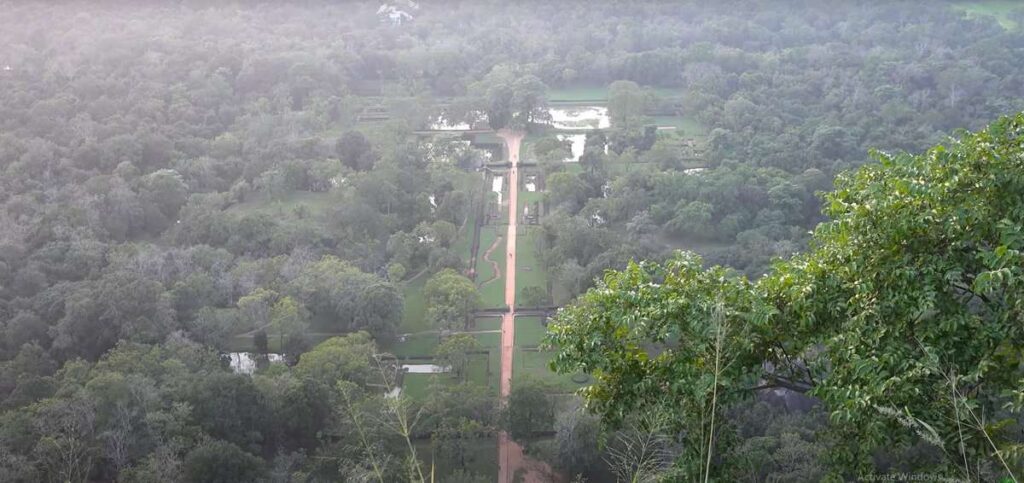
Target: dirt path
512, 141
494, 264
510, 454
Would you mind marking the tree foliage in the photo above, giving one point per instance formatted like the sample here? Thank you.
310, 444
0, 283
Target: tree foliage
901, 318
451, 300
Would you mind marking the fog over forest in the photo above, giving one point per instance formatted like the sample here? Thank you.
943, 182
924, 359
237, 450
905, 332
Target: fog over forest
517, 241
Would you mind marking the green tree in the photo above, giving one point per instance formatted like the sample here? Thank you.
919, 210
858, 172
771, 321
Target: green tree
454, 438
290, 321
166, 189
530, 408
577, 439
355, 151
356, 300
456, 352
221, 462
347, 358
396, 272
451, 300
255, 307
901, 318
626, 102
511, 98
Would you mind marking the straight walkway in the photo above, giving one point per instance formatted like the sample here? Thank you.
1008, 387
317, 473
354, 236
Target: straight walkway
510, 455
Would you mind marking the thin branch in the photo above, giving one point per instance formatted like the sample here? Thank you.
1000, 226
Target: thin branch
720, 334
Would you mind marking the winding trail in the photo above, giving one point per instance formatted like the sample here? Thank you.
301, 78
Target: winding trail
494, 264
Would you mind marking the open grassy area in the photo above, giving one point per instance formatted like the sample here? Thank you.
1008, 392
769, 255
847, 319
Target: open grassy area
530, 272
414, 316
416, 345
490, 340
534, 364
417, 386
685, 126
589, 93
293, 209
529, 331
463, 245
484, 369
487, 323
998, 9
578, 93
423, 344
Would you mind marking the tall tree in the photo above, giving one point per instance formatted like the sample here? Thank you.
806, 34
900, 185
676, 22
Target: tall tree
625, 105
451, 300
289, 320
902, 318
456, 351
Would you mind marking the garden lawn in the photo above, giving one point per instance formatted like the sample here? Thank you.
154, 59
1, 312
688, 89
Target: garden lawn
414, 315
487, 323
529, 331
416, 345
530, 272
578, 93
534, 364
483, 370
463, 245
686, 127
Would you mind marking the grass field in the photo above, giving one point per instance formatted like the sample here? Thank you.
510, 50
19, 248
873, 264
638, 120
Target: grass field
414, 315
487, 323
484, 369
416, 345
534, 364
582, 93
530, 272
998, 9
291, 210
529, 331
464, 243
685, 126
579, 93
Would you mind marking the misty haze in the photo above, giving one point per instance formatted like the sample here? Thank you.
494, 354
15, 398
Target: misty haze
475, 241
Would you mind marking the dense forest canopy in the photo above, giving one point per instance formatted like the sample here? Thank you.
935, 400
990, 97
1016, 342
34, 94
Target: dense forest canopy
227, 228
